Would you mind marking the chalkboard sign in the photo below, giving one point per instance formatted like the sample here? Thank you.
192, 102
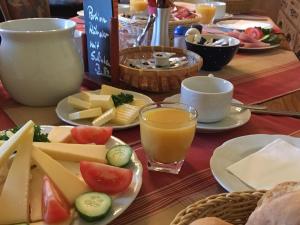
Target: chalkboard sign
98, 15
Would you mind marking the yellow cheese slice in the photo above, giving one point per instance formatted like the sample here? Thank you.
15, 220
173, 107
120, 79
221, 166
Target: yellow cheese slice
84, 114
109, 90
104, 101
35, 194
69, 185
126, 114
60, 134
14, 198
10, 145
138, 102
105, 117
78, 103
74, 152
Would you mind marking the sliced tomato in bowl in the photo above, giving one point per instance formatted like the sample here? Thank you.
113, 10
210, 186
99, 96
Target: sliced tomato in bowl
91, 134
104, 178
54, 207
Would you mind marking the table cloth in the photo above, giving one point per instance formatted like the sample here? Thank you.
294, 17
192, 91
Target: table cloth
257, 77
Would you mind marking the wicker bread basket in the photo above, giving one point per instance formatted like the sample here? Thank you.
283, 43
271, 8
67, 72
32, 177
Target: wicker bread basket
238, 6
157, 80
137, 25
233, 207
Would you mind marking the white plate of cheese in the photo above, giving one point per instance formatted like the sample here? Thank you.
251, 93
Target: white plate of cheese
19, 165
64, 108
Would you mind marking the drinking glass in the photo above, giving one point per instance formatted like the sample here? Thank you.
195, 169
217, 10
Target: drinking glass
167, 131
207, 12
138, 6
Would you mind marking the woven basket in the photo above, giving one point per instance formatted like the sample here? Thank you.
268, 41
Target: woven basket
157, 80
137, 25
238, 6
233, 207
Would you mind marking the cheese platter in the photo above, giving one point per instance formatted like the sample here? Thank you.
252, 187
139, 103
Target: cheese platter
31, 173
108, 106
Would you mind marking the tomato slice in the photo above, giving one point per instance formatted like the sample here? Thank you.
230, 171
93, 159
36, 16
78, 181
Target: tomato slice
90, 134
104, 178
255, 33
55, 207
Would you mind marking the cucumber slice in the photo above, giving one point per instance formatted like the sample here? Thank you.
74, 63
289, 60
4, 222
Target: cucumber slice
93, 206
119, 155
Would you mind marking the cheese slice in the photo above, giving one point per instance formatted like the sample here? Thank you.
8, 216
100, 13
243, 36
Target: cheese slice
138, 102
14, 198
84, 114
105, 117
35, 194
74, 152
104, 101
60, 135
69, 185
9, 146
126, 114
109, 90
78, 103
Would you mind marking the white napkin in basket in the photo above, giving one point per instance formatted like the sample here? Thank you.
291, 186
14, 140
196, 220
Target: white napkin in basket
277, 162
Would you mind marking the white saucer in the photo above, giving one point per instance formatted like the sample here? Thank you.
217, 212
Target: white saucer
236, 118
236, 149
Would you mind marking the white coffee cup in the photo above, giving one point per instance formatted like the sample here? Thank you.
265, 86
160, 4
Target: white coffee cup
220, 9
211, 96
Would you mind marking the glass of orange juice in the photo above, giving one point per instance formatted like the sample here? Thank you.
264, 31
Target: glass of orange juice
138, 6
206, 11
167, 131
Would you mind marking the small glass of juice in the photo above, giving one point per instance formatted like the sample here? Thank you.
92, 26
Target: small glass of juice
138, 6
206, 11
167, 131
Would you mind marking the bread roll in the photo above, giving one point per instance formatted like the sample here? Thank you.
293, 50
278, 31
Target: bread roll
210, 221
279, 206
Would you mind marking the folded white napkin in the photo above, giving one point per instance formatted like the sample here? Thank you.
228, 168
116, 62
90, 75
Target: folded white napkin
277, 162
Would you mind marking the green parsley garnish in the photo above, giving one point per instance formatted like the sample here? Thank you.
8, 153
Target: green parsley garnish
122, 98
38, 135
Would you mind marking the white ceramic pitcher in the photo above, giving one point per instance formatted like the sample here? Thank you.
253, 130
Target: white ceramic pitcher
39, 62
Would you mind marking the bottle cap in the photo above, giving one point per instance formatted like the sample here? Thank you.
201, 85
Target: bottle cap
180, 30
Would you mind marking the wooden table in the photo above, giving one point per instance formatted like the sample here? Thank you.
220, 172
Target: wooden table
270, 78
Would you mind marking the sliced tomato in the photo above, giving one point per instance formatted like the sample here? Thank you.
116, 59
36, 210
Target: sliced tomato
104, 178
255, 32
90, 134
55, 207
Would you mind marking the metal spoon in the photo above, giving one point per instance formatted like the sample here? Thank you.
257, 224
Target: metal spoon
242, 106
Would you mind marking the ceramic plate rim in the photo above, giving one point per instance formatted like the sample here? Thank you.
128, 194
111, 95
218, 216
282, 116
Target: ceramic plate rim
261, 48
137, 174
254, 142
63, 104
205, 127
228, 26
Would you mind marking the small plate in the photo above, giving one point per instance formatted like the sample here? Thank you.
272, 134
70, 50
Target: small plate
259, 49
236, 149
236, 118
226, 16
63, 109
242, 24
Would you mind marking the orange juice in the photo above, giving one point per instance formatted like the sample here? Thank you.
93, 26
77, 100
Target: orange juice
167, 133
206, 11
138, 5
